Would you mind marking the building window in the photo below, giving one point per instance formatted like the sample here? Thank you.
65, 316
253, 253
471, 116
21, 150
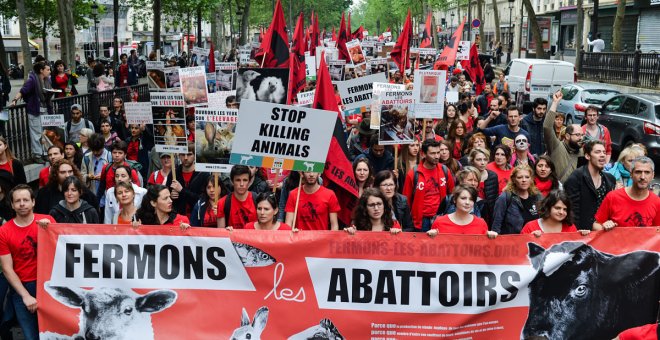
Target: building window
4, 26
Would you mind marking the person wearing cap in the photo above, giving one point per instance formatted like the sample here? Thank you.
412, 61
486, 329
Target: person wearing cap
75, 124
358, 143
160, 176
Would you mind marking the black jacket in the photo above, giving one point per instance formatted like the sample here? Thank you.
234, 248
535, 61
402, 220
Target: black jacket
49, 196
402, 212
582, 193
190, 193
491, 190
85, 214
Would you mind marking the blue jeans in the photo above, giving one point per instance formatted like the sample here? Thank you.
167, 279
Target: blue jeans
27, 320
426, 224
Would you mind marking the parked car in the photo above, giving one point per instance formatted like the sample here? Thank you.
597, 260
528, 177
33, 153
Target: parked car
577, 97
534, 78
633, 118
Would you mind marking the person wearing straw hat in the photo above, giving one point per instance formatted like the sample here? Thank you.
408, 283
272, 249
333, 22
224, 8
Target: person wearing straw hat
358, 143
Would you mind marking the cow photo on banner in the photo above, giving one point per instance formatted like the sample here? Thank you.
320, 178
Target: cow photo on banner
214, 137
193, 85
156, 75
169, 122
429, 93
117, 282
262, 84
225, 76
397, 120
337, 69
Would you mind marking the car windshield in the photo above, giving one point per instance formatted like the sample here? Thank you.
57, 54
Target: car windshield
657, 111
597, 97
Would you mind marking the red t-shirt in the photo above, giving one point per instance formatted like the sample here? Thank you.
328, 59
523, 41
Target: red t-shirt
481, 191
502, 175
283, 226
21, 244
210, 219
534, 226
446, 226
186, 177
626, 212
431, 189
7, 166
544, 186
313, 209
133, 148
646, 332
157, 177
241, 212
178, 220
43, 176
123, 74
110, 176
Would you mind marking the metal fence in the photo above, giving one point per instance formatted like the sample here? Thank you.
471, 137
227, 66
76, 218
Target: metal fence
16, 129
631, 69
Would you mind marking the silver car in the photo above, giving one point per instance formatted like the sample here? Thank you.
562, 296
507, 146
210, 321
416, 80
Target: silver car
577, 97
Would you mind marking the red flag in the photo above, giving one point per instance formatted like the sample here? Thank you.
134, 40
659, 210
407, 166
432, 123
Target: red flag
298, 46
381, 37
358, 34
315, 35
341, 41
296, 65
211, 60
426, 35
401, 52
448, 56
274, 49
474, 69
349, 37
338, 173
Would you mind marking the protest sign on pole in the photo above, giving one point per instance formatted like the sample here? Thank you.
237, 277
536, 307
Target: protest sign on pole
262, 84
214, 136
193, 85
429, 93
378, 65
218, 100
169, 119
378, 90
156, 75
463, 52
357, 92
336, 68
244, 56
138, 113
368, 48
210, 83
199, 56
355, 52
225, 76
306, 98
281, 136
55, 120
427, 57
172, 77
397, 120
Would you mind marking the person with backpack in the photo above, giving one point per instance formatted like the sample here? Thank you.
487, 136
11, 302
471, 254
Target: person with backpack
140, 143
75, 124
518, 204
237, 208
118, 152
427, 185
94, 161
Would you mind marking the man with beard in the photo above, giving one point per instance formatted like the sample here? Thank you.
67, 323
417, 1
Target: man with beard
633, 206
587, 185
533, 124
50, 195
593, 130
188, 183
317, 208
564, 153
55, 153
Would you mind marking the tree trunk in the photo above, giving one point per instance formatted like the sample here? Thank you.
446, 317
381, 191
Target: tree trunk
115, 37
480, 15
594, 20
231, 26
71, 36
578, 36
188, 40
3, 53
245, 22
496, 15
617, 34
157, 11
61, 20
536, 31
44, 36
25, 46
199, 27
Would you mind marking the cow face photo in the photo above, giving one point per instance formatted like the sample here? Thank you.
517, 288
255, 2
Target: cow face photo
582, 293
264, 84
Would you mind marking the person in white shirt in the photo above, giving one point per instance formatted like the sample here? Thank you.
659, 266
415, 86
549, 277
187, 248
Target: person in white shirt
598, 44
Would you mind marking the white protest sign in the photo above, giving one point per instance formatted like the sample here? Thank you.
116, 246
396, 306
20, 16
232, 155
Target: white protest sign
310, 68
306, 98
169, 119
429, 93
463, 52
357, 92
214, 136
452, 97
378, 89
244, 56
52, 120
193, 85
138, 113
397, 120
218, 100
282, 136
156, 75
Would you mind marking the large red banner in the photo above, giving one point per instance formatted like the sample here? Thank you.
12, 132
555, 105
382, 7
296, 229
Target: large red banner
113, 282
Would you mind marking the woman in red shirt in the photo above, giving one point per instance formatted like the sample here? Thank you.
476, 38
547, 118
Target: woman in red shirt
501, 166
156, 209
545, 176
372, 213
456, 136
461, 221
60, 80
555, 217
267, 210
9, 163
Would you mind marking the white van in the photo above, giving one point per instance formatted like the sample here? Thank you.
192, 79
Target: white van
534, 78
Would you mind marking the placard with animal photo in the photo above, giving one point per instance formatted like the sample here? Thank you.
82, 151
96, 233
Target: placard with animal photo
429, 93
337, 68
156, 75
463, 51
225, 76
198, 56
214, 136
397, 121
355, 52
378, 65
427, 57
193, 85
172, 76
368, 48
210, 83
355, 71
168, 110
262, 84
378, 90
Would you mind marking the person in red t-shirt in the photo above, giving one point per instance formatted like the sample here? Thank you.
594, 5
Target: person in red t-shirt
501, 165
267, 211
373, 213
461, 221
646, 332
633, 206
317, 208
156, 209
430, 188
18, 257
55, 153
242, 208
160, 176
555, 216
119, 150
9, 163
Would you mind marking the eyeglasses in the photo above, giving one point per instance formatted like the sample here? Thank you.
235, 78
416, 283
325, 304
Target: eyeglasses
375, 205
388, 185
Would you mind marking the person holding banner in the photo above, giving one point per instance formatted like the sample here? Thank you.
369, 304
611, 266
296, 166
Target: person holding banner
372, 213
18, 257
518, 204
386, 182
315, 208
73, 209
555, 216
157, 210
238, 208
125, 196
205, 212
267, 211
461, 221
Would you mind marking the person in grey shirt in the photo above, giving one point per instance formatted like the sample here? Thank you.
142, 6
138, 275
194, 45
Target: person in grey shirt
75, 124
91, 80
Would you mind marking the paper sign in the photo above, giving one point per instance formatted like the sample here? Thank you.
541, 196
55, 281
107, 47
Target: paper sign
429, 93
397, 120
306, 98
336, 68
463, 52
379, 89
225, 76
214, 136
218, 100
156, 75
138, 113
357, 92
310, 68
52, 120
169, 122
193, 85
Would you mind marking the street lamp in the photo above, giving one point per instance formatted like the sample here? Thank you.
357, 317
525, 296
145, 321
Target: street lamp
95, 13
452, 25
508, 53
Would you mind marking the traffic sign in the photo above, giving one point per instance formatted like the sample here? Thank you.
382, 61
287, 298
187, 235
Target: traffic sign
476, 23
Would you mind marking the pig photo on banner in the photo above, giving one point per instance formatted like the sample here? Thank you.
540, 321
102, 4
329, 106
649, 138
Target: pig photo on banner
156, 75
429, 93
262, 84
225, 76
214, 136
193, 85
169, 122
397, 121
172, 77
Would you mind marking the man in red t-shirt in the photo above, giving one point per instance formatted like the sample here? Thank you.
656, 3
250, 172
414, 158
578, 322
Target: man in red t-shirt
55, 153
18, 257
242, 208
317, 208
433, 184
118, 151
634, 206
646, 332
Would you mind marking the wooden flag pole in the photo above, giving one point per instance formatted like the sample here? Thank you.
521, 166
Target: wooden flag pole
396, 157
295, 211
216, 192
424, 130
173, 167
263, 59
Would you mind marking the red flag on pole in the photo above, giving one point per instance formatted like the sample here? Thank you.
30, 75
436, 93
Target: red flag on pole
381, 37
298, 46
426, 35
297, 72
274, 49
474, 69
211, 60
338, 173
448, 56
401, 52
341, 41
349, 37
358, 34
315, 35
